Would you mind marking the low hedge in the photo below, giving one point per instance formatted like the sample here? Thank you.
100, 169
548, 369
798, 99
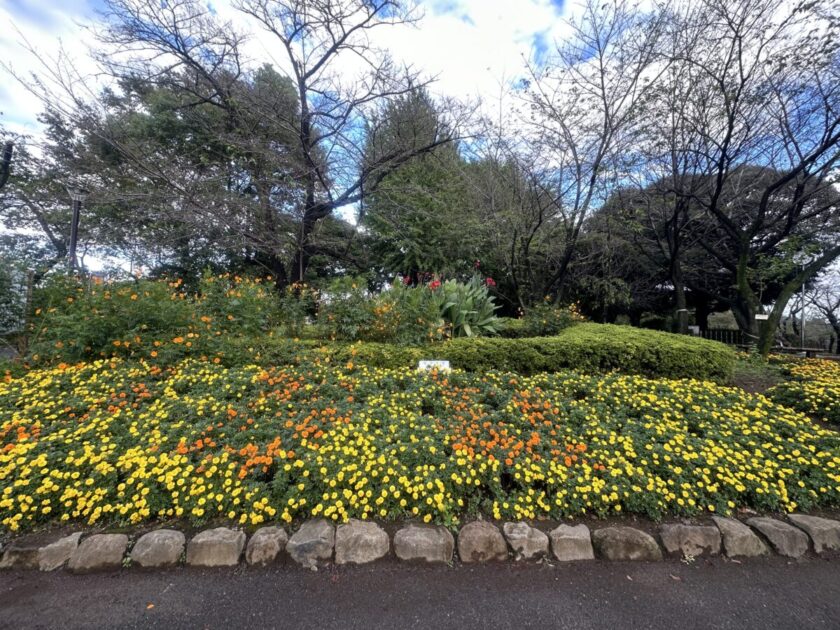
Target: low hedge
588, 348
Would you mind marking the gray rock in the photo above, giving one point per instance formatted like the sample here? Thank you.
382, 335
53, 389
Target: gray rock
738, 539
625, 543
219, 547
160, 548
98, 552
691, 540
423, 542
54, 555
360, 542
20, 554
312, 542
527, 542
265, 545
481, 541
571, 542
824, 532
786, 539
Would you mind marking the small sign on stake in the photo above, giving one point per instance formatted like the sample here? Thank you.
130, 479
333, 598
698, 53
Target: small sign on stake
441, 366
762, 317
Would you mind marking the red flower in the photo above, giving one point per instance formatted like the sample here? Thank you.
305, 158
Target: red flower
406, 280
490, 282
434, 284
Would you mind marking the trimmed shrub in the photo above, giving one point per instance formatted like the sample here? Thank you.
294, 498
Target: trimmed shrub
585, 348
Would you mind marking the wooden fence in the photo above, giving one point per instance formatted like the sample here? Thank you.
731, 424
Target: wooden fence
732, 337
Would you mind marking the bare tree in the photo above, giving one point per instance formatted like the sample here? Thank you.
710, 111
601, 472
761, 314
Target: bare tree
338, 114
583, 108
825, 299
765, 136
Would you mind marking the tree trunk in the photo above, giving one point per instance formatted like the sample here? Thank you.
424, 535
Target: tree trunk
701, 313
6, 163
680, 306
747, 304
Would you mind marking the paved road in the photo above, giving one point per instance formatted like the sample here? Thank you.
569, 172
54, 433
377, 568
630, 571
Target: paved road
770, 593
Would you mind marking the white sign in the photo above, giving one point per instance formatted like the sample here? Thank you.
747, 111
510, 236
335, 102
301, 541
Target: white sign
762, 317
442, 366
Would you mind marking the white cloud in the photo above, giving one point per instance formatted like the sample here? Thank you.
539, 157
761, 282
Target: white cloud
471, 46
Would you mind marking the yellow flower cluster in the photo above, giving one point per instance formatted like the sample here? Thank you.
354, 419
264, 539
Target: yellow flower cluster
813, 388
118, 442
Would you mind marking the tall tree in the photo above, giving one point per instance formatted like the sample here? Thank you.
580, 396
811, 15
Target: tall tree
339, 114
417, 216
765, 133
283, 166
583, 105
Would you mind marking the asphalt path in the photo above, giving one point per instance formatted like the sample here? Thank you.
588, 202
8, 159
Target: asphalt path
760, 593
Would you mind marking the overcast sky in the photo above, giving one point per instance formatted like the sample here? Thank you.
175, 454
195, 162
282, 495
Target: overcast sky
472, 46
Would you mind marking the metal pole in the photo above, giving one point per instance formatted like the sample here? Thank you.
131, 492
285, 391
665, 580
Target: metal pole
802, 324
74, 235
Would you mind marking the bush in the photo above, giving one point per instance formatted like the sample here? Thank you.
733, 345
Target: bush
298, 308
585, 348
234, 305
345, 312
76, 320
407, 315
542, 320
232, 322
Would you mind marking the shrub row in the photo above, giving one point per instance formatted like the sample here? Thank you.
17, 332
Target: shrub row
584, 347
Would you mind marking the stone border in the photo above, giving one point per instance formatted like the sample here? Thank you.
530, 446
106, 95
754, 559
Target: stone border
318, 542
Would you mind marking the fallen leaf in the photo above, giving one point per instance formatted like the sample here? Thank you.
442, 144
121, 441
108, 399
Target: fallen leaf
149, 606
676, 577
629, 578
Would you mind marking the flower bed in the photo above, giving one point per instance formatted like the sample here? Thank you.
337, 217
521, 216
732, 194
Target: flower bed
119, 442
814, 387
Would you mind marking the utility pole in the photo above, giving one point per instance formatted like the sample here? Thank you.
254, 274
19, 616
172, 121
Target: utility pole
77, 195
802, 324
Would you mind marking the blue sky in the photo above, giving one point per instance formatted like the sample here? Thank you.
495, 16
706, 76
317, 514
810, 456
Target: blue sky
471, 46
47, 13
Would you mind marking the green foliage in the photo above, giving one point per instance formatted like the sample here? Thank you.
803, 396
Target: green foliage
406, 315
298, 307
238, 307
345, 313
75, 320
12, 297
233, 321
78, 320
587, 348
468, 309
541, 320
416, 215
